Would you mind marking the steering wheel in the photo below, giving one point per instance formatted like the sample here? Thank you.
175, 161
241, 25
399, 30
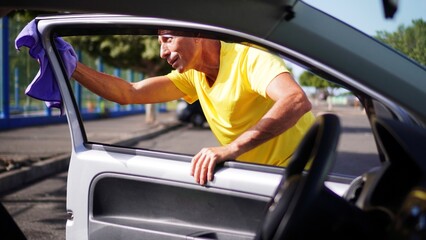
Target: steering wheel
298, 191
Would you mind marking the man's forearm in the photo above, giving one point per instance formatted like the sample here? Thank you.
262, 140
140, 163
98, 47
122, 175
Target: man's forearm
104, 85
277, 120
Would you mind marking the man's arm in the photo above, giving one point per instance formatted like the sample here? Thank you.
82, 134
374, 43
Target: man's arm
290, 104
150, 90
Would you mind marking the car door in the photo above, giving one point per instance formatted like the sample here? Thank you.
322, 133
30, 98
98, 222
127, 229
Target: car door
117, 192
120, 192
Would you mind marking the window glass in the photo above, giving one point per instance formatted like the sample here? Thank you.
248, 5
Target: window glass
183, 127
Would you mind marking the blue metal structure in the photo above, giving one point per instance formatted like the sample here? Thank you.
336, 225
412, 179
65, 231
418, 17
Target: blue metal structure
4, 113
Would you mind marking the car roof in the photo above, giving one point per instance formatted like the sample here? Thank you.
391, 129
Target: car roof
323, 42
259, 13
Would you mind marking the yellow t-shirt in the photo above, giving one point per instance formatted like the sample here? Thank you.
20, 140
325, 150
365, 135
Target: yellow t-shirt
238, 100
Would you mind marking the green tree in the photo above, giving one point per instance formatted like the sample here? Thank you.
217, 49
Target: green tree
139, 53
309, 79
410, 41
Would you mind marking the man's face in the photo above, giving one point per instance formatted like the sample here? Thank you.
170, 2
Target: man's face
180, 52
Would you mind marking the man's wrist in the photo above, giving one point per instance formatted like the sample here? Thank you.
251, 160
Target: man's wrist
235, 150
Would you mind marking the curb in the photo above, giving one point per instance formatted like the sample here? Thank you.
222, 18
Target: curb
18, 178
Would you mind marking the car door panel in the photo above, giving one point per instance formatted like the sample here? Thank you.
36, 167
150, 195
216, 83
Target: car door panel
159, 208
141, 194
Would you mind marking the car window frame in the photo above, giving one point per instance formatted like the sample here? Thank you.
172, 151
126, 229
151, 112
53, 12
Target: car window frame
52, 27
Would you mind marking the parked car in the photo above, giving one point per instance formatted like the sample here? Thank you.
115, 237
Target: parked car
190, 113
116, 192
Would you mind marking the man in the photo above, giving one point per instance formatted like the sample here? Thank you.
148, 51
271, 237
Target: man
253, 105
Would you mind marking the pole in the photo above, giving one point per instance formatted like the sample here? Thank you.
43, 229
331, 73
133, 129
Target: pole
4, 61
16, 87
100, 107
131, 75
117, 73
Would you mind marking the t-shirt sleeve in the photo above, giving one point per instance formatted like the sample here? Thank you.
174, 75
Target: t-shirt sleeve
184, 83
262, 68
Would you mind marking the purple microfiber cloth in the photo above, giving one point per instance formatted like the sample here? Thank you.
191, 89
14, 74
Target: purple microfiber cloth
44, 86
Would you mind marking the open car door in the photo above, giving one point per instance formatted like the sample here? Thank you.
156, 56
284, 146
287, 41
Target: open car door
120, 192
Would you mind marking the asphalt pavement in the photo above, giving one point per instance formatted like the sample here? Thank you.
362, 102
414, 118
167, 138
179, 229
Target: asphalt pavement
32, 153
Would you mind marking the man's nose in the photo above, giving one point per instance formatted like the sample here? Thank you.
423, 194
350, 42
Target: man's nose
164, 51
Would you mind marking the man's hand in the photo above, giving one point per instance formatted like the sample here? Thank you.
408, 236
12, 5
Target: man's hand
205, 161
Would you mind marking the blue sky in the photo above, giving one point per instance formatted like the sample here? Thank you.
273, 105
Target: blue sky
368, 15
